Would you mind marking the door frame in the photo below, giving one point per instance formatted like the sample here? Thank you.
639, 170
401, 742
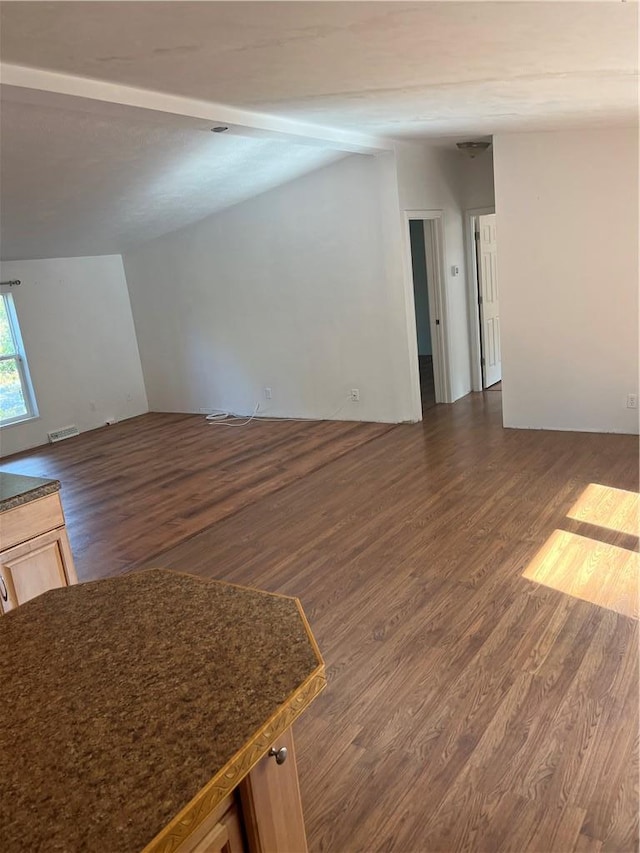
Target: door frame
472, 293
437, 306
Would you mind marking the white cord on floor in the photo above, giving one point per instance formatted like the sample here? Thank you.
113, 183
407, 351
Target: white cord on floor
220, 417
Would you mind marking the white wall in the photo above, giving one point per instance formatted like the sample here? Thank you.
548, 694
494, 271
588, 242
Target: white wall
476, 180
567, 223
435, 179
77, 328
299, 289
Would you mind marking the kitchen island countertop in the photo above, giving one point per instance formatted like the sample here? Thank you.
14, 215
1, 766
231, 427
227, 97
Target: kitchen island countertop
140, 701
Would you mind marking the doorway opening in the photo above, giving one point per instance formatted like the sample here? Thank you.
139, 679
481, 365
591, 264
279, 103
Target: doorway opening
423, 319
425, 247
484, 319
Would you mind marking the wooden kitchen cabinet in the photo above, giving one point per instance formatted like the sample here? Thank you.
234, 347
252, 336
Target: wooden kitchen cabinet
262, 815
221, 832
36, 555
271, 806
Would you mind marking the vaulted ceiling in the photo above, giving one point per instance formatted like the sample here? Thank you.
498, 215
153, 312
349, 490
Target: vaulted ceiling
108, 105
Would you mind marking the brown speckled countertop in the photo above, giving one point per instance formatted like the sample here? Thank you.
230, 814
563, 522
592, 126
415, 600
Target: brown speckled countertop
121, 699
16, 489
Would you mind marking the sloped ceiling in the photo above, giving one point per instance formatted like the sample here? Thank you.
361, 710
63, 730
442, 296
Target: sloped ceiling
81, 182
77, 183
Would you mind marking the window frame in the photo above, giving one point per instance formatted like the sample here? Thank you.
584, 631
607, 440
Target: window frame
19, 356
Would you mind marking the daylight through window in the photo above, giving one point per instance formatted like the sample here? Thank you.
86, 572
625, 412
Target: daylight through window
17, 402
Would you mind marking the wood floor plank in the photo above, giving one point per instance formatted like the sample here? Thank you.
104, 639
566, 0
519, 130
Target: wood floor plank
468, 706
621, 831
553, 764
584, 844
589, 569
159, 479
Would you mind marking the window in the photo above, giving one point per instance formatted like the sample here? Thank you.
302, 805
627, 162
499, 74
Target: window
17, 402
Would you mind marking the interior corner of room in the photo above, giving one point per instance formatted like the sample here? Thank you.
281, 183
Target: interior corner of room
186, 322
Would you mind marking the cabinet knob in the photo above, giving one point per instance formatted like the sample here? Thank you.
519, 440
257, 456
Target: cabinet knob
280, 755
5, 595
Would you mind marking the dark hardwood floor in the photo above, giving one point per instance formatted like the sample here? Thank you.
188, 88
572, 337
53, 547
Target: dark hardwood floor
427, 384
138, 487
468, 707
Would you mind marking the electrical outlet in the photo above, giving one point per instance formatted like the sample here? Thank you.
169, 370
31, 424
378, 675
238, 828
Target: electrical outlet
632, 401
92, 406
355, 395
267, 393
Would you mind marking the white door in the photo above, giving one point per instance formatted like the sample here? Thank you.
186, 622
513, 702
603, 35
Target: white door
489, 306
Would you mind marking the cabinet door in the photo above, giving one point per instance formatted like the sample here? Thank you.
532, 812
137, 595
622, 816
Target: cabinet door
224, 837
220, 832
23, 522
271, 806
27, 570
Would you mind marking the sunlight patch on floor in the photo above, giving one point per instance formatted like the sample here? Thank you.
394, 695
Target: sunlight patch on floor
590, 570
605, 506
587, 568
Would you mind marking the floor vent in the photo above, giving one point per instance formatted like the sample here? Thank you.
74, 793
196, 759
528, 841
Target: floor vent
61, 434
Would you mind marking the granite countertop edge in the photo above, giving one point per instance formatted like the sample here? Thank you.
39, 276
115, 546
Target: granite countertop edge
235, 770
17, 489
